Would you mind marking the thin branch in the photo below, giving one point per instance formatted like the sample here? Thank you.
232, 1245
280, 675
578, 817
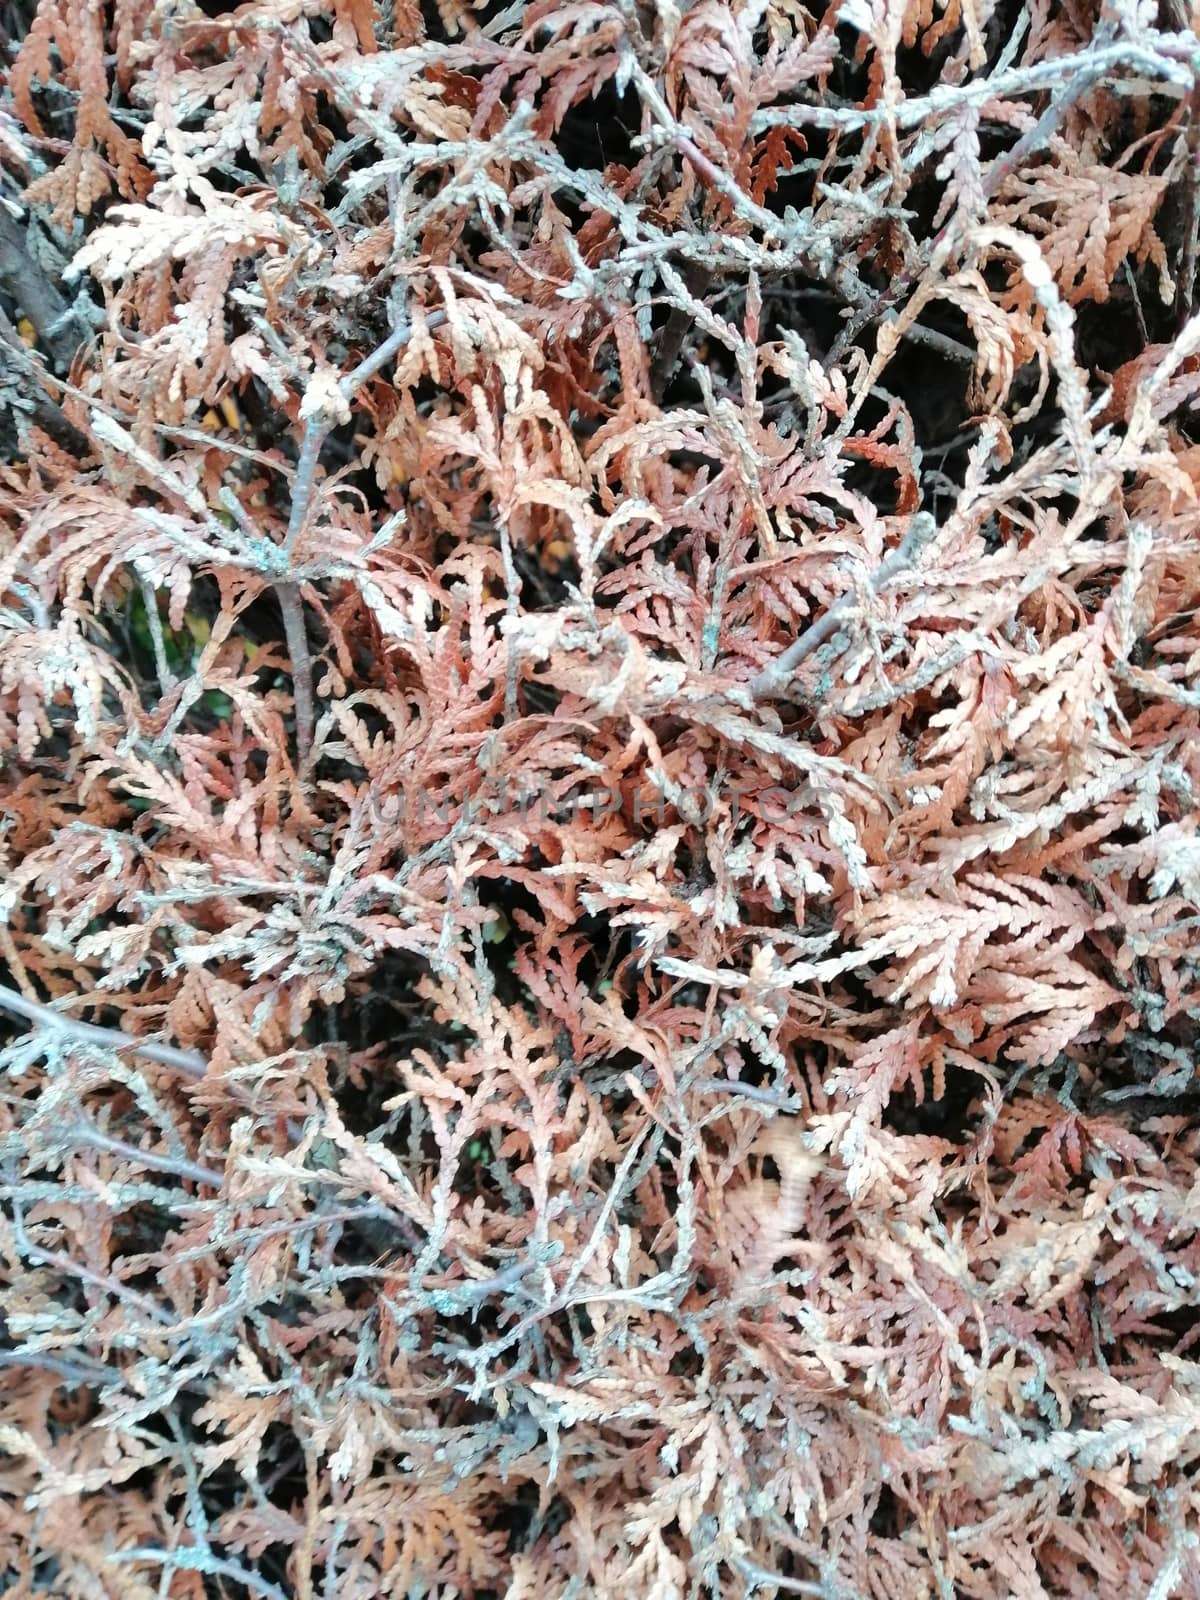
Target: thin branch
356, 1215
76, 1269
318, 428
166, 678
759, 1578
776, 675
188, 1062
73, 1371
316, 431
391, 346
296, 634
1016, 82
748, 1091
207, 1177
203, 1561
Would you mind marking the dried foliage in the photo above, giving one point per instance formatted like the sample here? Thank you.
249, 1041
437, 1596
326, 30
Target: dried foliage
599, 696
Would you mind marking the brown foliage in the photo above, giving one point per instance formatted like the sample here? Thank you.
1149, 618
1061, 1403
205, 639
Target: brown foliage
599, 696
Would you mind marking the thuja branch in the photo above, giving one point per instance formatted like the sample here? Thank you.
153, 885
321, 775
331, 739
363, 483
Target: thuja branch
57, 1262
203, 1560
204, 1177
1085, 71
73, 1371
777, 674
292, 608
322, 412
188, 1062
321, 420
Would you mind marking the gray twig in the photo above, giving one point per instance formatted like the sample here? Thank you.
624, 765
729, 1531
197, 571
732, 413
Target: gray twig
203, 1561
206, 1177
316, 431
191, 1064
296, 634
776, 675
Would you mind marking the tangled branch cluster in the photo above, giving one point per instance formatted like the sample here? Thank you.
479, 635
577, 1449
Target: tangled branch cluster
690, 1194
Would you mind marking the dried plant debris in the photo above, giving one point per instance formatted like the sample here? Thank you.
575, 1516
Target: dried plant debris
599, 781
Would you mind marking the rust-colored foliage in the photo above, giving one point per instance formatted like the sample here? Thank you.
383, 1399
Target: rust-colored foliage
600, 718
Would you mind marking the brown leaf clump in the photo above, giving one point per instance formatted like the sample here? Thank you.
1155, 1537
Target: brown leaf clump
599, 781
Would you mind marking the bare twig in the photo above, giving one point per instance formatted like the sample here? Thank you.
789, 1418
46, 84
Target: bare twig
296, 635
748, 1091
759, 1578
206, 1177
204, 1561
73, 1371
166, 678
382, 354
316, 431
776, 675
188, 1062
76, 1269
